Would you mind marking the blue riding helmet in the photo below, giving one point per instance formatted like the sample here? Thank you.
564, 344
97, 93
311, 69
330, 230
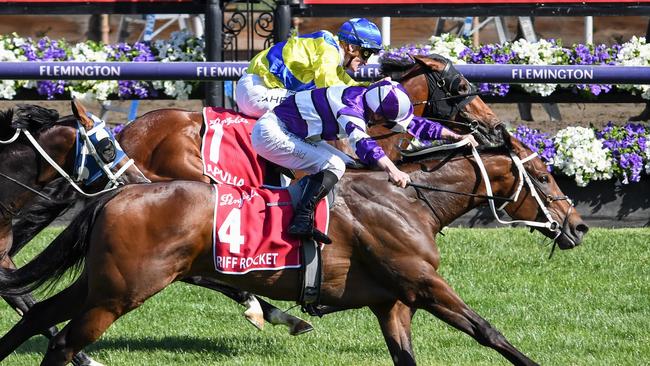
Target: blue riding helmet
360, 32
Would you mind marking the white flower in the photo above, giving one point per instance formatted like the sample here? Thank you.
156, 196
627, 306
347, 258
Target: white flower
82, 52
581, 154
635, 52
448, 46
182, 46
537, 53
93, 89
8, 87
174, 88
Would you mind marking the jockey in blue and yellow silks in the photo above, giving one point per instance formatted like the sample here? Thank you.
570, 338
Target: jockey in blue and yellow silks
306, 62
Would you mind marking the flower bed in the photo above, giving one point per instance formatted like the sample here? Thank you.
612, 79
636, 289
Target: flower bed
636, 52
586, 154
182, 46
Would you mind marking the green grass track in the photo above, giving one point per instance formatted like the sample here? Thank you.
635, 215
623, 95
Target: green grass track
587, 306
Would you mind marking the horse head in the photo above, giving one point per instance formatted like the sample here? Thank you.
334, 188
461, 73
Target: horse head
509, 177
438, 91
541, 199
104, 148
37, 147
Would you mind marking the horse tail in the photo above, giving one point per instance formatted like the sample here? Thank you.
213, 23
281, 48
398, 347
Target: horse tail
42, 212
66, 251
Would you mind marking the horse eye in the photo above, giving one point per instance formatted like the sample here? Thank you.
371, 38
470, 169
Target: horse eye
543, 179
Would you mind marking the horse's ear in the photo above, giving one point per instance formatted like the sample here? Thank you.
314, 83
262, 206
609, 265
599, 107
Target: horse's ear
422, 60
80, 113
503, 136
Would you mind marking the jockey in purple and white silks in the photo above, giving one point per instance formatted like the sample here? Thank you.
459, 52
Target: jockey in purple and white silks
294, 136
306, 62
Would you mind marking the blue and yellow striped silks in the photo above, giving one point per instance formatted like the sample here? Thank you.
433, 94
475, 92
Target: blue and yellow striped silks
302, 63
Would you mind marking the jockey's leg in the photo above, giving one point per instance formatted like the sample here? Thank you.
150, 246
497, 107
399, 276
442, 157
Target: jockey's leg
273, 142
254, 98
316, 188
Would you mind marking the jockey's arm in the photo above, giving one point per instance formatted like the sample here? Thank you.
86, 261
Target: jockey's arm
427, 130
370, 153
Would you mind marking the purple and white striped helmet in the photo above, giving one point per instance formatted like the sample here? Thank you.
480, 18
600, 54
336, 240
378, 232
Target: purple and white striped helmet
389, 99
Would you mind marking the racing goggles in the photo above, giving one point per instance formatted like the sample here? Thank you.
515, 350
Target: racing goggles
365, 53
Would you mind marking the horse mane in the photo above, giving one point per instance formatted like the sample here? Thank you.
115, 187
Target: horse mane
448, 155
395, 67
28, 117
492, 140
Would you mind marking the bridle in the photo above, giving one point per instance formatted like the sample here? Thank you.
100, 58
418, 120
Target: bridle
88, 148
534, 188
443, 88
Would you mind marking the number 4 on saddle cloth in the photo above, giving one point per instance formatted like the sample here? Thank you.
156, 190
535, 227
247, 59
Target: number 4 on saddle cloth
249, 228
250, 220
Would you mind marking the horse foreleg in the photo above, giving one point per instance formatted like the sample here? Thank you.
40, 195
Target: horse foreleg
395, 321
445, 304
257, 310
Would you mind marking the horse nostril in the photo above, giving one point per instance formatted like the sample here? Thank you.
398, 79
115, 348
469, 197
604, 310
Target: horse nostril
582, 228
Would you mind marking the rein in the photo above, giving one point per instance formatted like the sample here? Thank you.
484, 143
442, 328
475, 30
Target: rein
523, 178
434, 189
25, 186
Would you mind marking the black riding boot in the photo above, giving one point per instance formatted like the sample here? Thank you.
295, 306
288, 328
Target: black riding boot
302, 224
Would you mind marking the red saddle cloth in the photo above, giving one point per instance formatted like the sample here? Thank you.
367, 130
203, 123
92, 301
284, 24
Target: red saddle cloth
226, 150
249, 229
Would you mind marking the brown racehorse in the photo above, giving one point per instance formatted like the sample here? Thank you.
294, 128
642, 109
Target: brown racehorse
166, 143
24, 172
384, 254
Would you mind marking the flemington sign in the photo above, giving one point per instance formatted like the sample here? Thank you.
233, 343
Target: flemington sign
206, 71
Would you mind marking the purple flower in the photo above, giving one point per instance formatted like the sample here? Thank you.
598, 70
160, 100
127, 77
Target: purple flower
537, 141
626, 146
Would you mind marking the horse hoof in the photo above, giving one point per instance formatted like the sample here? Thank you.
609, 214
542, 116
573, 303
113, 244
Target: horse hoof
301, 327
257, 319
81, 359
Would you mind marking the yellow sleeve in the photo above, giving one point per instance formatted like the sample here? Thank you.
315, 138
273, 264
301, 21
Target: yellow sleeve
328, 71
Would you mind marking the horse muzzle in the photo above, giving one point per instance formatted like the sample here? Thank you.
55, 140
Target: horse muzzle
571, 235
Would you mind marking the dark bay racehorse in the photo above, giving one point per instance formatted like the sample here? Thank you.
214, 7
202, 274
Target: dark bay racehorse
384, 254
24, 172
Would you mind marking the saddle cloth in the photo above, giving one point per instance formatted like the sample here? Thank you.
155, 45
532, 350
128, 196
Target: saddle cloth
249, 229
226, 150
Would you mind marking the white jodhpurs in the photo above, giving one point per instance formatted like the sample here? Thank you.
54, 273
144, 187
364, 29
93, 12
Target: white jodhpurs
254, 98
273, 142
